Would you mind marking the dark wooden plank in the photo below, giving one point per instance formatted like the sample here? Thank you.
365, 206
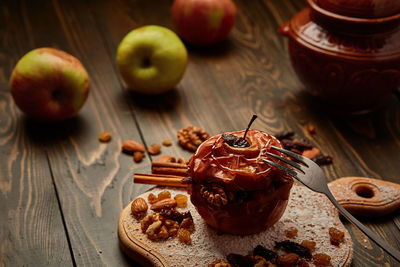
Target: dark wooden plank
31, 227
251, 73
94, 180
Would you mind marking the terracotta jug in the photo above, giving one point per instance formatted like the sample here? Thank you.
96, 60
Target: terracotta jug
347, 52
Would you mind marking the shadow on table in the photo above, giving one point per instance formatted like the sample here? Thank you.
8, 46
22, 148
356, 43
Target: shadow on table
49, 133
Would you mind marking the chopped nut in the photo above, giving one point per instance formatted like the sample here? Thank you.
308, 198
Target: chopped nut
289, 259
153, 229
191, 137
139, 207
130, 146
104, 136
167, 203
152, 198
167, 142
215, 196
172, 227
148, 220
291, 232
184, 236
336, 236
154, 149
163, 195
321, 259
138, 156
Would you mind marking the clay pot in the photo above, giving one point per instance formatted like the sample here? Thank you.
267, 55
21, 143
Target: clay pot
351, 63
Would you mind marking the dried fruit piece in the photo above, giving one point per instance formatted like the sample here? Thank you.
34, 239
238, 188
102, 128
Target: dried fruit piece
138, 156
322, 159
175, 215
167, 203
309, 244
187, 224
104, 136
154, 149
310, 129
130, 146
184, 236
287, 260
321, 259
235, 141
291, 232
336, 236
167, 142
269, 255
238, 260
293, 247
139, 207
311, 153
191, 137
172, 227
163, 195
181, 200
152, 198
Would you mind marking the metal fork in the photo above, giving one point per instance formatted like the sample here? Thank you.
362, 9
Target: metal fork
311, 175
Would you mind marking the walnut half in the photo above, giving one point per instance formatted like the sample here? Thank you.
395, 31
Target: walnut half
215, 195
191, 137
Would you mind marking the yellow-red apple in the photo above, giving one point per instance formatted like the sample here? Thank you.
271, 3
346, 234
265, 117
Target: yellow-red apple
49, 85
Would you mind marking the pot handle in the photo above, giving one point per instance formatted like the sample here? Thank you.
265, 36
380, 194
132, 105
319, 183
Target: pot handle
284, 29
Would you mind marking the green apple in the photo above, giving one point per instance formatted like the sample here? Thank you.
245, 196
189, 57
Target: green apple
49, 85
151, 59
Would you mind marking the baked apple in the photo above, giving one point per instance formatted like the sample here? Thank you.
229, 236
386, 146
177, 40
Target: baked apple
233, 188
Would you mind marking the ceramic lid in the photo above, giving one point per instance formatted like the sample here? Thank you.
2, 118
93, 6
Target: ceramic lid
361, 8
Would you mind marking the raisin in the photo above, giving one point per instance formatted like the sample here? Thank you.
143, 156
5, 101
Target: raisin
309, 244
104, 136
181, 200
163, 195
336, 236
284, 135
267, 254
235, 141
322, 159
293, 247
302, 263
237, 260
184, 236
287, 260
321, 259
291, 232
175, 215
152, 198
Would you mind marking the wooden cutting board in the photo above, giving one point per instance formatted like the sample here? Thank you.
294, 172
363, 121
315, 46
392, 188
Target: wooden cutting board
311, 213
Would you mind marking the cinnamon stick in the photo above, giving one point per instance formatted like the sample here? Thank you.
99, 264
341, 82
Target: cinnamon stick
169, 168
158, 179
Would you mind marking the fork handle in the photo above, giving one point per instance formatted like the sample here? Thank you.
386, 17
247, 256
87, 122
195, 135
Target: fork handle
383, 244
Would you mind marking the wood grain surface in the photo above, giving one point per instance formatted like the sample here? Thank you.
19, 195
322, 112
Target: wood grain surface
61, 191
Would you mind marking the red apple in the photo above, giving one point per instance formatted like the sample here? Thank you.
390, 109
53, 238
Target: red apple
203, 22
49, 85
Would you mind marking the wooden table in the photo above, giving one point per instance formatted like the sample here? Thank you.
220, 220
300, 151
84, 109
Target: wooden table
61, 190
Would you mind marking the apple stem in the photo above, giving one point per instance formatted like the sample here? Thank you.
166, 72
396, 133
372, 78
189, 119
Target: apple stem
248, 126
